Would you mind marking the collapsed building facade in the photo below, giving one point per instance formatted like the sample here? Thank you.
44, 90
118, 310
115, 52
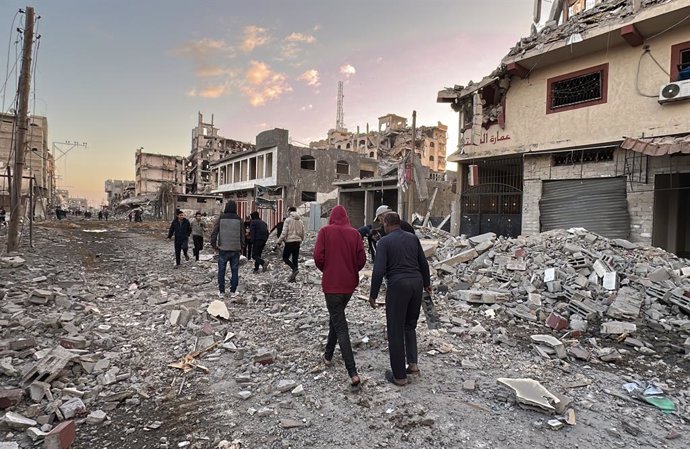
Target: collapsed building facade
392, 141
583, 124
207, 146
118, 190
39, 164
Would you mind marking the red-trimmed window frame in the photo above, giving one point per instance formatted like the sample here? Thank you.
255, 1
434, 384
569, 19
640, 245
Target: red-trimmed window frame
603, 68
676, 50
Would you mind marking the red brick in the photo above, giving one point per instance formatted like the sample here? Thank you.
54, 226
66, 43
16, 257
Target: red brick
10, 397
556, 322
62, 436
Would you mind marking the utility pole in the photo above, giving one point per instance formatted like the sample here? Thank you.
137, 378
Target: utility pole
22, 118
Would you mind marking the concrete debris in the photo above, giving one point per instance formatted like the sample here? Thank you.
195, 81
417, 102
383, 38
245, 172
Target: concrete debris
92, 348
617, 328
531, 394
552, 342
218, 309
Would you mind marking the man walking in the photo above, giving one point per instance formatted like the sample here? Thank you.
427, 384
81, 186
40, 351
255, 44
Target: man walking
198, 229
292, 235
339, 255
400, 258
181, 229
226, 238
258, 230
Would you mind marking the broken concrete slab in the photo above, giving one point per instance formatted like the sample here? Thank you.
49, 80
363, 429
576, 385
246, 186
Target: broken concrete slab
429, 247
71, 408
626, 305
218, 309
531, 394
464, 256
96, 417
487, 237
552, 342
617, 328
62, 436
17, 421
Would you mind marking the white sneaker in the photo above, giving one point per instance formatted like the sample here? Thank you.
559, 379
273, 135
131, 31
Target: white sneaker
234, 295
221, 295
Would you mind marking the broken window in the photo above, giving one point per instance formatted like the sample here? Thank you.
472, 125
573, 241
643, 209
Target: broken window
342, 168
431, 144
583, 156
579, 89
236, 172
347, 146
362, 143
308, 163
680, 61
431, 159
366, 174
244, 170
252, 168
260, 166
201, 200
269, 165
308, 196
371, 154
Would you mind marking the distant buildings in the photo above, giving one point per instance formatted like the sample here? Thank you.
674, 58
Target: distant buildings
118, 190
392, 141
39, 164
276, 174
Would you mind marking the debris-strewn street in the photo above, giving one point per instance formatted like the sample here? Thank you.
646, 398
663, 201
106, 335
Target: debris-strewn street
98, 330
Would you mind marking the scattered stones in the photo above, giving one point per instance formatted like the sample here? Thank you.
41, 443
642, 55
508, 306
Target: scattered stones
552, 342
617, 328
96, 417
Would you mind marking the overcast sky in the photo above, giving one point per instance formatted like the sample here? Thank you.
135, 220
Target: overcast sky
121, 75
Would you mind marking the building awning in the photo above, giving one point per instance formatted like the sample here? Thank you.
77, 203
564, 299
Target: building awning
658, 146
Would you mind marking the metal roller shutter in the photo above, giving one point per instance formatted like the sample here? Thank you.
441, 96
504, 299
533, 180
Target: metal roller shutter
598, 205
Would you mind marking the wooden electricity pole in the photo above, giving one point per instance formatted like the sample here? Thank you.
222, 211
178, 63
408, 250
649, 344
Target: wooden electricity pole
22, 119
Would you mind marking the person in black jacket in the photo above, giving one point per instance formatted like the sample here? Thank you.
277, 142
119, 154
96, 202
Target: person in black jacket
258, 230
181, 229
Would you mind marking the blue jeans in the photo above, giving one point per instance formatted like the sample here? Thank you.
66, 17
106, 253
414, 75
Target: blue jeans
223, 258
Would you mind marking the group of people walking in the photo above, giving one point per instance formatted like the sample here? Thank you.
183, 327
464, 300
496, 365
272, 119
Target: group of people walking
339, 254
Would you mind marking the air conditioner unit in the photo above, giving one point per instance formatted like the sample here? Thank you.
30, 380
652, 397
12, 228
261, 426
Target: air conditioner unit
680, 90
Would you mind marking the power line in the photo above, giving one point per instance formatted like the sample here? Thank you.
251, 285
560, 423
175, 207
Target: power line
7, 65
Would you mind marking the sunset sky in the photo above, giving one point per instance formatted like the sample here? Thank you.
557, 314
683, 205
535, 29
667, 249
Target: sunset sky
123, 75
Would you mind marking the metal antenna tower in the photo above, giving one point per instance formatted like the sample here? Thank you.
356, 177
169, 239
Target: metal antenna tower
340, 115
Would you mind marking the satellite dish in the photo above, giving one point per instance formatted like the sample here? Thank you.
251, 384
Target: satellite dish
670, 91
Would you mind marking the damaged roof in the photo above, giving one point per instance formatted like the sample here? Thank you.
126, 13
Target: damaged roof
604, 13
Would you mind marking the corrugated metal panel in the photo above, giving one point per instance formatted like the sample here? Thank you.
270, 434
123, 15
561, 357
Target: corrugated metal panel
598, 205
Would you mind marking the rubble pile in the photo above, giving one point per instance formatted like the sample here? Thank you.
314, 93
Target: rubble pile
103, 343
602, 14
575, 282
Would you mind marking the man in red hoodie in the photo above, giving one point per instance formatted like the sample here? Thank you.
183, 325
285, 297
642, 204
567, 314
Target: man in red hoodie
339, 254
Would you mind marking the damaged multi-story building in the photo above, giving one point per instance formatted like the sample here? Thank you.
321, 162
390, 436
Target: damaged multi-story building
118, 190
207, 146
391, 141
583, 124
39, 163
276, 174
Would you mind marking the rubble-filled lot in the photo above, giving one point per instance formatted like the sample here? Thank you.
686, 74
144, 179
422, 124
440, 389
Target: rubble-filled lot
562, 339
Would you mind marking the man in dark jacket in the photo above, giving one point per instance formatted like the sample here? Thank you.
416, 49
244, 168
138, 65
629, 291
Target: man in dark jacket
226, 238
258, 230
400, 258
181, 229
339, 254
